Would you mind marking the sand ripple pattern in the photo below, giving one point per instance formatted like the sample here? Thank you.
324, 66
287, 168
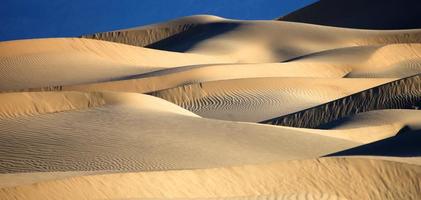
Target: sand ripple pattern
403, 93
255, 100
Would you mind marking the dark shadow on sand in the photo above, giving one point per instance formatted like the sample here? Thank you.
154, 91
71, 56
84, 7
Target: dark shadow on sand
407, 143
184, 41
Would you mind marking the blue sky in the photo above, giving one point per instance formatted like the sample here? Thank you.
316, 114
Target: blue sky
22, 19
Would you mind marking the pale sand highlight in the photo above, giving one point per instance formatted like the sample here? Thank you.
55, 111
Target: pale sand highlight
60, 61
307, 179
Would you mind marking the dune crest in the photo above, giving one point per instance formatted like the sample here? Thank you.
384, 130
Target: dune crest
204, 107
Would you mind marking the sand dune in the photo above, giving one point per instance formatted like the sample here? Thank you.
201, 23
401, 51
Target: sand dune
390, 14
371, 126
402, 93
57, 62
152, 134
268, 41
259, 99
393, 60
326, 178
78, 119
146, 35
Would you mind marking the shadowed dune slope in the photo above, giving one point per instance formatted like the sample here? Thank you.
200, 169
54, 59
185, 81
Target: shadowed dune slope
402, 93
140, 132
267, 41
373, 14
257, 99
325, 178
65, 61
145, 35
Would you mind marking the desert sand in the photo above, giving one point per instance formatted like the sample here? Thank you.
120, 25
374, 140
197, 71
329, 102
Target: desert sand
204, 107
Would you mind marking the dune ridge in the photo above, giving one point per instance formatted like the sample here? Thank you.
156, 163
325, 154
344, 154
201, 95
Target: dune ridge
171, 111
402, 93
257, 99
67, 61
145, 35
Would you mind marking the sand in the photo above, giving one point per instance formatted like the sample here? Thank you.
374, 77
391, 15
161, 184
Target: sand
67, 61
259, 99
326, 178
204, 107
155, 134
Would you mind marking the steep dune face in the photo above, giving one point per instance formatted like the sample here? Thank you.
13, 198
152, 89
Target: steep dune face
374, 14
259, 99
402, 93
326, 178
145, 35
266, 41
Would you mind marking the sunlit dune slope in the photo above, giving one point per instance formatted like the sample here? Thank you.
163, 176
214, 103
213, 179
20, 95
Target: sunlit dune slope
393, 60
60, 61
258, 99
268, 41
140, 132
326, 178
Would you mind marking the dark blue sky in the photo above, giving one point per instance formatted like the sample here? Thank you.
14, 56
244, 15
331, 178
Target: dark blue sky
21, 19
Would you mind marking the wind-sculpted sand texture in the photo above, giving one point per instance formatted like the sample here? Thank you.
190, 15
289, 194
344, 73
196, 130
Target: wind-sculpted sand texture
144, 35
80, 118
140, 132
399, 94
325, 178
257, 99
266, 41
179, 76
67, 61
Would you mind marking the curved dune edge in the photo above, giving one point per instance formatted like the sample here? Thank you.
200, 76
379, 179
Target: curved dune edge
145, 35
136, 132
171, 78
379, 61
241, 40
402, 93
323, 176
384, 61
256, 99
14, 105
371, 126
68, 61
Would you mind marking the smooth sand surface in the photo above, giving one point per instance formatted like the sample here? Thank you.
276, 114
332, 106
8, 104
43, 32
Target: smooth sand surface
78, 119
393, 60
61, 61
